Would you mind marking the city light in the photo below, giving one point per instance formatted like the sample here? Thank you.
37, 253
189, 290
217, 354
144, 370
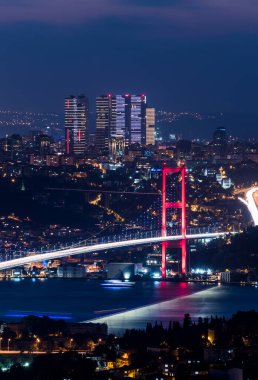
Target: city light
201, 271
124, 249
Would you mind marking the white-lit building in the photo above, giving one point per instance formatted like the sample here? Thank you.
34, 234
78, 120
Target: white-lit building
150, 126
76, 124
120, 117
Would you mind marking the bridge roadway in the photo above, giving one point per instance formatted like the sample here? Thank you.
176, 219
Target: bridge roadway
77, 250
251, 203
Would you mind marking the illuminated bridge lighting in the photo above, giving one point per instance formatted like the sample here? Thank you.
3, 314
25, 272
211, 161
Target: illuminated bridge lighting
251, 204
113, 242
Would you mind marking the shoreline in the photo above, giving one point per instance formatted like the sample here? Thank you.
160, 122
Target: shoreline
153, 280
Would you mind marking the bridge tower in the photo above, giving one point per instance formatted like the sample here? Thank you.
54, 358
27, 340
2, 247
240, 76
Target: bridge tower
173, 205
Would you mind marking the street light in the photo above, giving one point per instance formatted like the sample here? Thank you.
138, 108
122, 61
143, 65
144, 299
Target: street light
71, 340
8, 344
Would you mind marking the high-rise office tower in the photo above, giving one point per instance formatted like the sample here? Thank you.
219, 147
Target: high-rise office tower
103, 121
117, 116
220, 141
220, 135
138, 119
76, 124
150, 126
120, 116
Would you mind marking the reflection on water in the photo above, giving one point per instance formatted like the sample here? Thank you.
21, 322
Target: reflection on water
80, 298
121, 307
219, 300
13, 314
118, 284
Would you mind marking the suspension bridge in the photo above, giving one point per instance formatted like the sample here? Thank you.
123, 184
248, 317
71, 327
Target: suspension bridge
251, 201
166, 237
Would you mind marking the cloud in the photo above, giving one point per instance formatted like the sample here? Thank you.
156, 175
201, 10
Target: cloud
209, 16
214, 16
57, 11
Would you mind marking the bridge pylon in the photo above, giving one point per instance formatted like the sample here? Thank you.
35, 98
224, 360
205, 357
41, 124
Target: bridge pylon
173, 205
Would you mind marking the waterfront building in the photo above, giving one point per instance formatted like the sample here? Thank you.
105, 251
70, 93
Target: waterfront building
121, 270
70, 271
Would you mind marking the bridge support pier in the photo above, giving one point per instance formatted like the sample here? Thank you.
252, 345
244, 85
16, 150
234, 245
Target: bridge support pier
170, 205
183, 256
163, 259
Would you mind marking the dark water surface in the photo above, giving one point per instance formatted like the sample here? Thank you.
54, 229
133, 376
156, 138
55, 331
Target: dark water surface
83, 300
80, 299
219, 300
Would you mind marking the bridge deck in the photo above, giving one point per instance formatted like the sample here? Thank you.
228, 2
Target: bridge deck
72, 251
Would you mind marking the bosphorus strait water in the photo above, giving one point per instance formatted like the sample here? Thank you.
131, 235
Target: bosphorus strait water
79, 300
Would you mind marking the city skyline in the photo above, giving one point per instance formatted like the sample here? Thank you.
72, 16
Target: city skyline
129, 189
188, 56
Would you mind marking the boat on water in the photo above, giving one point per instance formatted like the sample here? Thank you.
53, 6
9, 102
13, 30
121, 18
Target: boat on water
118, 284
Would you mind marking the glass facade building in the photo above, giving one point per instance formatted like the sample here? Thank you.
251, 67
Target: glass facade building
76, 124
120, 116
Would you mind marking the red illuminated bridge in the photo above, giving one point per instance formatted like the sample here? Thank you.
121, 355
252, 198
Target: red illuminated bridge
176, 239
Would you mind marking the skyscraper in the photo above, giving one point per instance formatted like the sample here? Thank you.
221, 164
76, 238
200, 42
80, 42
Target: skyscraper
220, 141
220, 135
120, 116
76, 124
103, 121
138, 119
118, 124
150, 126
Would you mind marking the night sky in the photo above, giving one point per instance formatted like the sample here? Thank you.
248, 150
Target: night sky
196, 55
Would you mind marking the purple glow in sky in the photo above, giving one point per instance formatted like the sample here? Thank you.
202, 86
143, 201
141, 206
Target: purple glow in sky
211, 15
186, 55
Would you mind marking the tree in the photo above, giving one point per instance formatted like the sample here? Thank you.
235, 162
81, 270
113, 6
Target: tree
187, 321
